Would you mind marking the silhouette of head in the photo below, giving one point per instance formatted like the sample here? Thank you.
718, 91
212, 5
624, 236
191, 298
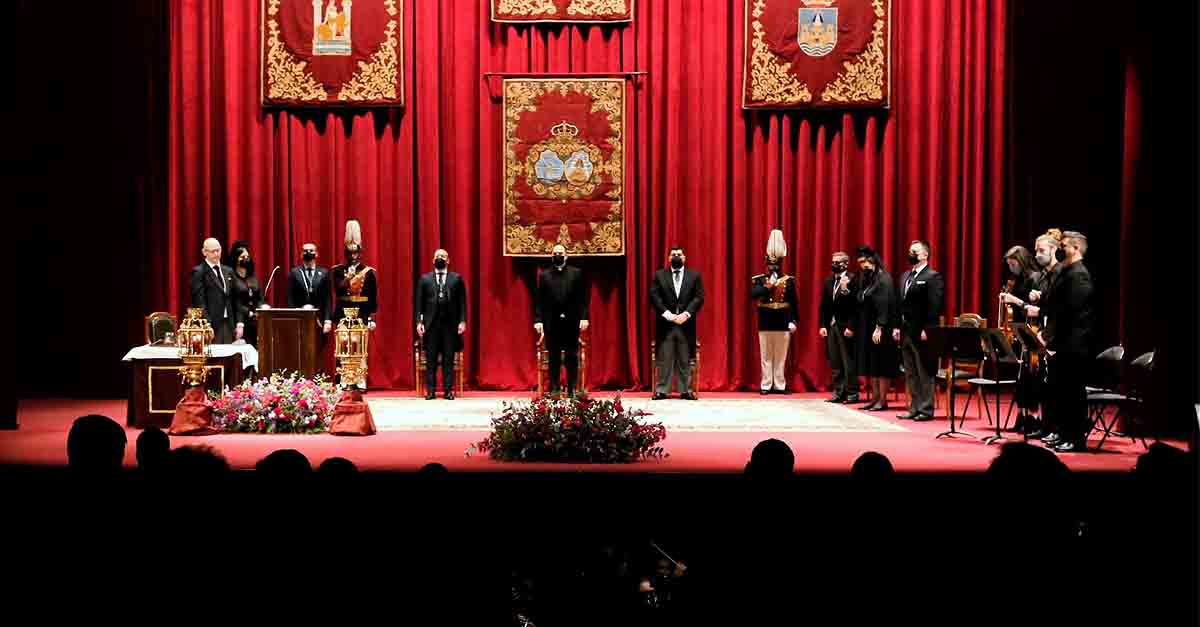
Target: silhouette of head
153, 447
771, 459
434, 471
872, 467
197, 462
96, 444
284, 464
337, 468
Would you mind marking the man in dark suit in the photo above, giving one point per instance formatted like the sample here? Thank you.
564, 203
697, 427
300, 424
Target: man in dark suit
838, 319
677, 295
308, 286
1068, 337
560, 312
441, 311
212, 285
922, 297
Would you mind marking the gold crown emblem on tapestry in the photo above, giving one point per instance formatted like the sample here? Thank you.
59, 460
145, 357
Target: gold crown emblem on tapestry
818, 3
564, 129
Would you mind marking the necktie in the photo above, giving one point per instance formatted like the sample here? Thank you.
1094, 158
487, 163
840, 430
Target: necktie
678, 283
220, 278
309, 272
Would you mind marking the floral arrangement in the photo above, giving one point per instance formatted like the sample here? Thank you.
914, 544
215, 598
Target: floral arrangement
572, 429
278, 404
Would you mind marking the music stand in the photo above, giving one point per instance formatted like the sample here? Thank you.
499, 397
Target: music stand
999, 351
954, 343
1029, 345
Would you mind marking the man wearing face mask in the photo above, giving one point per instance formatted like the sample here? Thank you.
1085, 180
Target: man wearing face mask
308, 286
560, 313
212, 291
1068, 337
441, 312
922, 295
775, 297
677, 295
838, 318
354, 285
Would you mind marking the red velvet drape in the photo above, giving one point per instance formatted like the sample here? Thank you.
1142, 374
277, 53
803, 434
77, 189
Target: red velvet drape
702, 173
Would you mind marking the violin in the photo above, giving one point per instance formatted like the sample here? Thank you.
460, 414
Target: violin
1005, 314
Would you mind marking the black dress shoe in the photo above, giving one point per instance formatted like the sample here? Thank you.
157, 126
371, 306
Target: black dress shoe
780, 392
1052, 439
851, 399
836, 399
907, 415
449, 396
764, 392
1071, 447
869, 407
429, 396
882, 407
922, 418
687, 396
658, 396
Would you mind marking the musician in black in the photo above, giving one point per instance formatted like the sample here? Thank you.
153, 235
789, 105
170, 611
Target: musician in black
560, 313
1023, 277
1047, 255
838, 320
441, 312
1069, 337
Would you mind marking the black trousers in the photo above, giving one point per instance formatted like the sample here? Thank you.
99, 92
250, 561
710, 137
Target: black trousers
1066, 396
674, 358
562, 342
439, 348
839, 350
223, 331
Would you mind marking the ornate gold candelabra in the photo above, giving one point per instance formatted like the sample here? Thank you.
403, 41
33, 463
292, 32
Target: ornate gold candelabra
193, 340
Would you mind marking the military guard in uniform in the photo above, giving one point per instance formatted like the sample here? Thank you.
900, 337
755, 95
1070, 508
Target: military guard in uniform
774, 294
355, 285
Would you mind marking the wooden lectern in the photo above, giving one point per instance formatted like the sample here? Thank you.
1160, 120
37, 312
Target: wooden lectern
289, 340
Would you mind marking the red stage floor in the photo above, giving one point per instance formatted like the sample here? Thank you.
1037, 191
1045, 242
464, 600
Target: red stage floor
42, 436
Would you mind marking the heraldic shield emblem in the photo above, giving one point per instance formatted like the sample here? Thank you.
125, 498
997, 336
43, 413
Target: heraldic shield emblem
564, 165
818, 29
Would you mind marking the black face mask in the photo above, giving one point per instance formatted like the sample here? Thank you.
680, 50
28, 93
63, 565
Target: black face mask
912, 259
676, 263
1060, 255
839, 268
247, 263
773, 270
559, 260
309, 256
440, 264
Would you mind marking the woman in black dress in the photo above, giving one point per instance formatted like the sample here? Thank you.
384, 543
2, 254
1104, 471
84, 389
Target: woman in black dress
247, 294
878, 355
1024, 277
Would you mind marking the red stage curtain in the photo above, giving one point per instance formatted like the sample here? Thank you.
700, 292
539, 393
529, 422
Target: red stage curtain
702, 172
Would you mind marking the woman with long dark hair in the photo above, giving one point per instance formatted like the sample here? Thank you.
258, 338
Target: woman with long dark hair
247, 294
878, 355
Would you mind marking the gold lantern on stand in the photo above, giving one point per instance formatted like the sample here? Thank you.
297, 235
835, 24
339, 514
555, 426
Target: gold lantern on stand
193, 415
352, 415
351, 350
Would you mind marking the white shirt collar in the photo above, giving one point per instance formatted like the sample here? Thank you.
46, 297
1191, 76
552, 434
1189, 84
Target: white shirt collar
917, 270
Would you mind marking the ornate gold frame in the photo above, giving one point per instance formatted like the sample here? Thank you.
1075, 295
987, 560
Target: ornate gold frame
492, 14
364, 84
512, 169
882, 26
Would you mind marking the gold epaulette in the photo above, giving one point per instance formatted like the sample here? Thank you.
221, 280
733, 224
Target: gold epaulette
774, 305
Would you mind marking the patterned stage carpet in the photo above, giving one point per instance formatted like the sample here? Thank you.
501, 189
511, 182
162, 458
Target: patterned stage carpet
720, 414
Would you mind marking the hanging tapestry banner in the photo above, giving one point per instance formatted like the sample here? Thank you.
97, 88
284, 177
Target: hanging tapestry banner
564, 166
817, 54
562, 10
331, 53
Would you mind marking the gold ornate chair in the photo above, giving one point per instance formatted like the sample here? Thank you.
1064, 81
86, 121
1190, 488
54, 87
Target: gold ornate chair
693, 362
542, 359
419, 369
158, 325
